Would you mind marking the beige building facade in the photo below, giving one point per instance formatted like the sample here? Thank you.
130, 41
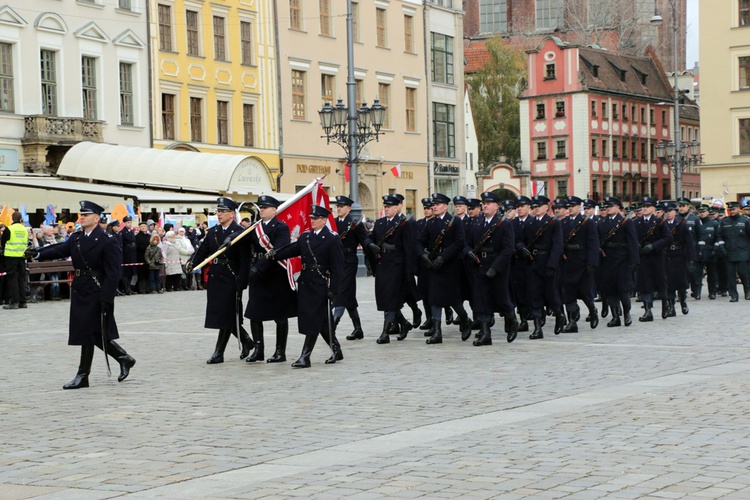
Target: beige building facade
390, 64
725, 99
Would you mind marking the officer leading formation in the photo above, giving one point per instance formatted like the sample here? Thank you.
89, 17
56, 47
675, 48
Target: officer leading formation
508, 257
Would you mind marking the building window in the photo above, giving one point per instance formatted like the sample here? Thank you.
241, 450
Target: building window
540, 111
493, 16
549, 14
165, 28
193, 38
298, 95
442, 58
615, 148
593, 109
360, 91
410, 201
6, 78
408, 33
222, 122
633, 111
248, 124
325, 17
550, 72
625, 149
541, 150
594, 147
605, 111
643, 114
167, 116
744, 12
663, 117
49, 82
744, 66
196, 119
219, 39
643, 151
562, 188
652, 116
246, 42
384, 94
615, 112
560, 109
652, 150
561, 145
411, 109
634, 149
625, 113
295, 15
126, 94
327, 84
381, 27
745, 136
355, 22
444, 125
125, 4
605, 148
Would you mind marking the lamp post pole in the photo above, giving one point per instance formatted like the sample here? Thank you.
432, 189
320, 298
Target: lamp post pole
351, 96
677, 134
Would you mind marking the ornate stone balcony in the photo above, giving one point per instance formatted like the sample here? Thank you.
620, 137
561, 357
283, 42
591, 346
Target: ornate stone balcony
46, 138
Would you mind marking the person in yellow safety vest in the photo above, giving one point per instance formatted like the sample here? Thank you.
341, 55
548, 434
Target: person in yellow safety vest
15, 239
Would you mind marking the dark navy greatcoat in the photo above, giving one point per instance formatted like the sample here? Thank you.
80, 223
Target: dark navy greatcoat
352, 235
581, 252
444, 283
423, 275
397, 259
270, 295
546, 250
652, 273
466, 273
101, 254
129, 254
491, 295
678, 254
620, 253
322, 259
221, 291
519, 267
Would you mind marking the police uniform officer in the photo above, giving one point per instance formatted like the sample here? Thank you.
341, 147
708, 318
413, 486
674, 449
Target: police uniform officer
581, 251
491, 241
423, 273
129, 254
392, 243
352, 234
441, 247
223, 304
734, 246
14, 242
695, 230
97, 262
653, 239
521, 264
271, 296
619, 244
461, 208
319, 282
680, 258
707, 251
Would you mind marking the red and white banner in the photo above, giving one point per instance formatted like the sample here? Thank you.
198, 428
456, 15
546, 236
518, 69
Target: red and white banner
396, 171
296, 214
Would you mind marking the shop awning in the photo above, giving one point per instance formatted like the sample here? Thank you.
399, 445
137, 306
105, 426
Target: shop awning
161, 168
36, 192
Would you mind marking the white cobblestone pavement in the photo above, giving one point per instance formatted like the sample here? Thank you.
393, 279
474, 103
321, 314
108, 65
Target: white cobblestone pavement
655, 410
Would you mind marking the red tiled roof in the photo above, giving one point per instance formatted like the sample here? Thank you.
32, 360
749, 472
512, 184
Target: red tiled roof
609, 66
476, 55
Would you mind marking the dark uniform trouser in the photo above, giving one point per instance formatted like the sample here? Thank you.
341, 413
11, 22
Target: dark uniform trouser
712, 275
16, 279
733, 270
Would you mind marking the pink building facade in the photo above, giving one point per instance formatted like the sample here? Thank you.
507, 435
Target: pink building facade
591, 121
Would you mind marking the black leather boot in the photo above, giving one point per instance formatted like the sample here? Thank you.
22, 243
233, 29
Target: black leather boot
126, 361
672, 313
511, 326
221, 344
428, 316
357, 333
437, 334
615, 321
416, 315
485, 337
537, 333
523, 325
448, 315
559, 322
256, 328
683, 302
648, 315
593, 318
307, 349
571, 326
664, 308
333, 343
81, 379
464, 325
393, 328
605, 307
247, 343
384, 338
405, 328
282, 333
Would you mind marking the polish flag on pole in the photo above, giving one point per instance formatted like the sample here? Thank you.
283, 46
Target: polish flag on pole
346, 172
396, 171
161, 218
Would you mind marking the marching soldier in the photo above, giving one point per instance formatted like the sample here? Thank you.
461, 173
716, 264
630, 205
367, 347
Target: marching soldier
461, 208
680, 256
423, 275
707, 251
129, 253
271, 295
492, 243
319, 283
653, 239
393, 244
734, 246
441, 245
97, 260
722, 272
520, 265
619, 244
543, 248
352, 235
474, 208
223, 306
695, 229
581, 258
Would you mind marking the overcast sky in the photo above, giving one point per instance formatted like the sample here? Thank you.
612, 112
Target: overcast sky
692, 33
